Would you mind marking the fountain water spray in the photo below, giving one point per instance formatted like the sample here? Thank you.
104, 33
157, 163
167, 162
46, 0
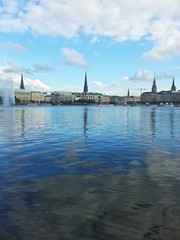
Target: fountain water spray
7, 92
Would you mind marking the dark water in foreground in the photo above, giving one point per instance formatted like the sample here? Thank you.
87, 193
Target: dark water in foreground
89, 173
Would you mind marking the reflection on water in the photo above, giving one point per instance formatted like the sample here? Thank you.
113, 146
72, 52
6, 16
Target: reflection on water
89, 173
85, 117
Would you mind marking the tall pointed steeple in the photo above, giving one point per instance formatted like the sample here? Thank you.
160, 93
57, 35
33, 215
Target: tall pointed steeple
85, 85
128, 93
173, 87
154, 88
22, 83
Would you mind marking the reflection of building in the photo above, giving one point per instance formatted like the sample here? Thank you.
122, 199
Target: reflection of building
85, 119
170, 96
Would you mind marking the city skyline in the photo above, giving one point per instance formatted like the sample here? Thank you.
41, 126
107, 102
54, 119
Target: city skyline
54, 43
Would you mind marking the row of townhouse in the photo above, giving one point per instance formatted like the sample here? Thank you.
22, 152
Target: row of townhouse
59, 97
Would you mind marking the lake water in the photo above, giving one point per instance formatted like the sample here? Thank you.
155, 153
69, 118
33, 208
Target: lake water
89, 172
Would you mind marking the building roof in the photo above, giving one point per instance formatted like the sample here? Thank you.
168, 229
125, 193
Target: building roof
17, 90
94, 94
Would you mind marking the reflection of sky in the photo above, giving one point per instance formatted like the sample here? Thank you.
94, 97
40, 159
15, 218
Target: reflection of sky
55, 140
85, 172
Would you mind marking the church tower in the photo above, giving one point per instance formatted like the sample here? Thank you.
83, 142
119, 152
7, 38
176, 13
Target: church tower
85, 85
154, 88
22, 83
128, 93
173, 87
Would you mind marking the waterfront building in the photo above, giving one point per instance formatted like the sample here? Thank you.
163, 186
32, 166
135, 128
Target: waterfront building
47, 98
55, 97
90, 97
115, 99
168, 97
125, 100
93, 97
63, 97
37, 96
105, 99
154, 97
25, 96
133, 100
148, 97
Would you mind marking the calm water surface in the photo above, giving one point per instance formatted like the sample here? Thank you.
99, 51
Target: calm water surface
89, 172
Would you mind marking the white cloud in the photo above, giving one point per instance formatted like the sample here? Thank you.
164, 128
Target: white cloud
111, 88
168, 75
9, 7
30, 84
14, 46
94, 40
12, 25
157, 21
12, 70
73, 88
12, 67
40, 67
143, 75
121, 82
100, 86
72, 57
166, 35
36, 84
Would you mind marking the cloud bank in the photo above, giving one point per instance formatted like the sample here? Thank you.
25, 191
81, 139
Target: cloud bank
152, 20
72, 57
14, 46
12, 70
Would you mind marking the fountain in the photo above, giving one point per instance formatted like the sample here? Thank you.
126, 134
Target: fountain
7, 92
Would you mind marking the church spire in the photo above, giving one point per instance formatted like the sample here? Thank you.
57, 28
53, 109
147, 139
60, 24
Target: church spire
85, 85
173, 87
128, 93
22, 83
154, 88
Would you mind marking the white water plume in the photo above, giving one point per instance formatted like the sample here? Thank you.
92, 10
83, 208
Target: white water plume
7, 92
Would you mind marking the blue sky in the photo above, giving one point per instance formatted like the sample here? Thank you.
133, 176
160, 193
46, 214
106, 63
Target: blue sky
120, 44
